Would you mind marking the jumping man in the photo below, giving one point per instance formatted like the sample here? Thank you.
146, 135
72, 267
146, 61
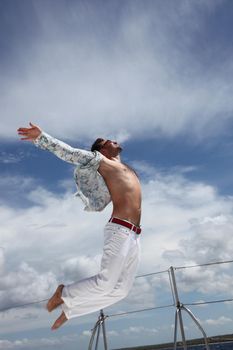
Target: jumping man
101, 177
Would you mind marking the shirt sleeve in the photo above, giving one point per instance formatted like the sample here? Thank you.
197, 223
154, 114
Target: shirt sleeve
63, 150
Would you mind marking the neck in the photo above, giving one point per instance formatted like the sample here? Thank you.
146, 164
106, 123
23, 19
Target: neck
116, 158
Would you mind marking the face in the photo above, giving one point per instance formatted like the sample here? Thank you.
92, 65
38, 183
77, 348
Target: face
111, 147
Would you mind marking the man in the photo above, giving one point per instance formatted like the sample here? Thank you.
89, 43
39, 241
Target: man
101, 177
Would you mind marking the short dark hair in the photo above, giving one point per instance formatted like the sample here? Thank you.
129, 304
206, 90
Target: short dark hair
96, 146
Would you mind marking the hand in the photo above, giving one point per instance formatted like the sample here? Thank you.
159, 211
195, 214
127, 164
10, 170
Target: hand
29, 134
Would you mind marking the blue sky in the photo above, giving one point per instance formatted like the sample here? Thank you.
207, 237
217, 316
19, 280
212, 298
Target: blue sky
156, 76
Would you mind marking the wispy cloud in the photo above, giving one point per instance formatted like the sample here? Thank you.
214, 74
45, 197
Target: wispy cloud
139, 330
137, 74
187, 228
27, 343
144, 69
219, 321
8, 158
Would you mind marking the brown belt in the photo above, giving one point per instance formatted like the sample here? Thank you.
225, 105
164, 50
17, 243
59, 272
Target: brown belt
127, 224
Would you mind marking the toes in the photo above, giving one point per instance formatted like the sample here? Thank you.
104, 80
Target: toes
59, 322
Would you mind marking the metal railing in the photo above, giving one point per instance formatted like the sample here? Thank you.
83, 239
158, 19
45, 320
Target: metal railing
177, 304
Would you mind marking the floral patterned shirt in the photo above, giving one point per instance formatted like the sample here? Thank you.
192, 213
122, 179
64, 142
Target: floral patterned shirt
91, 186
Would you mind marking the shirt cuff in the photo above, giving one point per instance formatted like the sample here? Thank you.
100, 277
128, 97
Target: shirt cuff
38, 138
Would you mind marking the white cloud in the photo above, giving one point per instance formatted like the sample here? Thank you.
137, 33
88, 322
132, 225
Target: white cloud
222, 320
141, 296
138, 77
26, 343
86, 333
184, 222
25, 285
2, 261
210, 241
172, 204
8, 158
40, 247
81, 265
113, 333
140, 81
140, 330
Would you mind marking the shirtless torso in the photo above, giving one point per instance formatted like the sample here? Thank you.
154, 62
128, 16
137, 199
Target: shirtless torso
124, 188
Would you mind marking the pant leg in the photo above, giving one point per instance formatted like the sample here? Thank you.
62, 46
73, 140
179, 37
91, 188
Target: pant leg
123, 269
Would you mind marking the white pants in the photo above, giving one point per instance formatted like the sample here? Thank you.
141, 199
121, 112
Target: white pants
121, 255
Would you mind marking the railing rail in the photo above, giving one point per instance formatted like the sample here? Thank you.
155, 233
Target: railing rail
179, 307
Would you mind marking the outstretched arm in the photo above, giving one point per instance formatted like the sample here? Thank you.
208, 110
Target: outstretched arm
59, 148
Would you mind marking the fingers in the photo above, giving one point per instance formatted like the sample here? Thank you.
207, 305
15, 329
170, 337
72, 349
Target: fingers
32, 125
23, 131
26, 139
26, 129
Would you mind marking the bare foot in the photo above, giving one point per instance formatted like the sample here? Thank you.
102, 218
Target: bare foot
59, 322
56, 300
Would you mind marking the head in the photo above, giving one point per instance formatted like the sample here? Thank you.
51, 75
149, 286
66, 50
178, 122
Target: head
108, 148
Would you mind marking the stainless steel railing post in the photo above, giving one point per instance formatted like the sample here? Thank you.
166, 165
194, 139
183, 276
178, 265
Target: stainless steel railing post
178, 314
100, 322
178, 311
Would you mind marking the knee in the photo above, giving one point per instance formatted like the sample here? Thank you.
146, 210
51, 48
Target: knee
105, 285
